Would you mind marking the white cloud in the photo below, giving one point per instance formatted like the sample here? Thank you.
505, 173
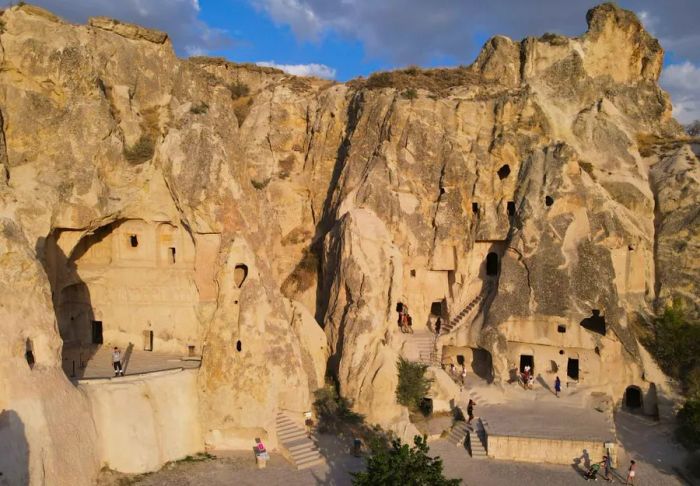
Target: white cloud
682, 81
317, 70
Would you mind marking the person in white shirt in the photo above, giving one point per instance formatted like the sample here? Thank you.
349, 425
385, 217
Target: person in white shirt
117, 362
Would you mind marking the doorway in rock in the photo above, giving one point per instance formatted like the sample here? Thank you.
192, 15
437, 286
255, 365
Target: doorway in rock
633, 397
482, 365
97, 332
572, 369
527, 360
148, 340
492, 264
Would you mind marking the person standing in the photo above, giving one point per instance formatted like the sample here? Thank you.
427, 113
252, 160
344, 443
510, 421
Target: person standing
470, 411
607, 465
557, 386
631, 473
438, 326
464, 375
117, 362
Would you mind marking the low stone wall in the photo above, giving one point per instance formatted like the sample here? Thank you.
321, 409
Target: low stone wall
553, 451
144, 421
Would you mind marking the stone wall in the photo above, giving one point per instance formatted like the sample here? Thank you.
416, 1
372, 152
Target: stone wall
529, 449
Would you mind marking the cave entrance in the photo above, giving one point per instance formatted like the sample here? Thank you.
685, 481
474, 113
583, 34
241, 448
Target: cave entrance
572, 369
148, 340
633, 397
492, 264
595, 323
97, 337
482, 365
527, 360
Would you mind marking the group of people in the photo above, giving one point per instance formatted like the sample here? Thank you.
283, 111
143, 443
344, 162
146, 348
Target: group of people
405, 320
462, 374
527, 377
606, 464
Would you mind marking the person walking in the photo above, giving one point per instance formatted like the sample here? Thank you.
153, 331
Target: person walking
557, 386
607, 467
470, 411
438, 326
464, 375
631, 473
117, 362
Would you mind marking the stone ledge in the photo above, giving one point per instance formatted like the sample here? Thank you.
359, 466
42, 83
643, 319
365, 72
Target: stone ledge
130, 31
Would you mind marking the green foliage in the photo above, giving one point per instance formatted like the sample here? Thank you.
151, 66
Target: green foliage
141, 151
260, 185
199, 108
413, 384
675, 343
400, 465
688, 431
238, 90
333, 411
410, 94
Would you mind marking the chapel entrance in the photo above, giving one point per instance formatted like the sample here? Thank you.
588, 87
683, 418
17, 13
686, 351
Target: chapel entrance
527, 360
492, 264
633, 397
97, 332
572, 369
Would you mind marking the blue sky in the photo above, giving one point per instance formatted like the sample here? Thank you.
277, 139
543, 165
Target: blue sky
343, 39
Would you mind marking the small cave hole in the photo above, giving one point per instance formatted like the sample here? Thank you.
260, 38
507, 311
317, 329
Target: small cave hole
504, 171
413, 273
29, 353
171, 251
239, 346
561, 351
548, 200
235, 302
630, 247
511, 208
597, 350
240, 272
133, 241
475, 207
561, 328
442, 191
595, 323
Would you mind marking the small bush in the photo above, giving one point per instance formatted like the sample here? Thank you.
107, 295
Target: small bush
199, 108
260, 185
410, 94
333, 411
303, 276
241, 108
287, 165
688, 431
141, 151
413, 384
238, 90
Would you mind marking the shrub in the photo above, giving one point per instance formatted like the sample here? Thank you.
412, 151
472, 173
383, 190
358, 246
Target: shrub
303, 276
688, 431
141, 151
238, 90
199, 108
401, 465
413, 384
333, 411
410, 94
260, 185
287, 165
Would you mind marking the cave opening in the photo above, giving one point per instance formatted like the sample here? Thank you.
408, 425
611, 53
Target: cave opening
527, 360
548, 200
511, 208
240, 273
572, 368
595, 323
504, 171
492, 264
633, 397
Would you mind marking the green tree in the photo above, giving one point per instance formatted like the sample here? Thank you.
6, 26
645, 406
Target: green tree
401, 465
413, 384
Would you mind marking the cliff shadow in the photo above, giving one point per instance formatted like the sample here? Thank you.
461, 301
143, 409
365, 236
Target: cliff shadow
14, 450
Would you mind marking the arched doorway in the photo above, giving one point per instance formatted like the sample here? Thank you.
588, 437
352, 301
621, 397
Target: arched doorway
633, 397
491, 264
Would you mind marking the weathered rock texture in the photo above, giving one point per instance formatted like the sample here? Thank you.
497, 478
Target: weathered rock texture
307, 199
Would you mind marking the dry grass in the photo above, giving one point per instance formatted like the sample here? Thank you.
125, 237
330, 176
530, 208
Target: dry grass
241, 108
438, 81
287, 165
649, 144
141, 151
303, 277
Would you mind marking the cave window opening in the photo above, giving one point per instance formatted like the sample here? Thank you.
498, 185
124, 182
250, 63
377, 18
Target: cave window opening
572, 369
595, 323
460, 359
97, 337
527, 360
436, 308
191, 350
548, 200
171, 252
240, 273
561, 351
511, 208
413, 273
633, 397
491, 264
475, 207
553, 366
239, 346
29, 353
504, 171
133, 241
630, 247
442, 191
561, 328
148, 340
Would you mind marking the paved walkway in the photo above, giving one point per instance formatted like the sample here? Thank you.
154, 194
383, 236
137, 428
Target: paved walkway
98, 362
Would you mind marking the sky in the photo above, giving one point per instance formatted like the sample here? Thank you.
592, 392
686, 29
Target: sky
344, 39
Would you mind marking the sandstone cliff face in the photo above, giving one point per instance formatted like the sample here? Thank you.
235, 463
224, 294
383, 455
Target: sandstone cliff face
339, 200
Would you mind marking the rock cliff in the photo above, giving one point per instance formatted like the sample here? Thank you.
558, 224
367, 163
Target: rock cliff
334, 202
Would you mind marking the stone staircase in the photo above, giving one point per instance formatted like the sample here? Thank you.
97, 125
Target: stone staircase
477, 440
427, 351
458, 433
295, 443
474, 305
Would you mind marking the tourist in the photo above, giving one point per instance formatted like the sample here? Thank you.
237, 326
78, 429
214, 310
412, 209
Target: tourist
607, 464
452, 369
438, 326
470, 411
464, 375
557, 386
117, 362
531, 381
409, 322
631, 473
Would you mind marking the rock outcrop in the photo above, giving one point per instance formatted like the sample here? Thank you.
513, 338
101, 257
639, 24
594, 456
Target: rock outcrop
550, 168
